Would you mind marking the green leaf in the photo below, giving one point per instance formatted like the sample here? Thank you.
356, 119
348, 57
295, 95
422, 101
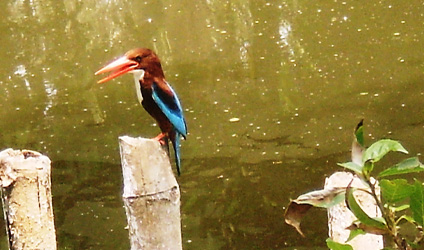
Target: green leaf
358, 144
396, 190
410, 165
355, 232
367, 169
352, 166
401, 207
359, 133
417, 203
337, 246
360, 214
407, 218
380, 148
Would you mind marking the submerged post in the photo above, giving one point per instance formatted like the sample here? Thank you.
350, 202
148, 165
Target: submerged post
27, 201
151, 195
340, 217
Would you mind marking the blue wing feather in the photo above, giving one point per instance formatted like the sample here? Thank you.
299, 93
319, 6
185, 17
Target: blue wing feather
176, 145
171, 107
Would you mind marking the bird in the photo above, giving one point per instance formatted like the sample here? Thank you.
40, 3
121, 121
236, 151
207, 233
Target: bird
154, 93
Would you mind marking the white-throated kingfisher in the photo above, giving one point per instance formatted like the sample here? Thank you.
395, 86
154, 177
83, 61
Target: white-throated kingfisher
154, 93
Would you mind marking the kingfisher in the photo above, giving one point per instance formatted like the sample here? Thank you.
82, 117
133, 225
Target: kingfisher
154, 93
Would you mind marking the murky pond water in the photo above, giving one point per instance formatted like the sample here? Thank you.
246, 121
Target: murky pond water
271, 92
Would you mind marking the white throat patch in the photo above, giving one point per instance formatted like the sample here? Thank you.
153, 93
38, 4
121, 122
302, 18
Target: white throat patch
138, 75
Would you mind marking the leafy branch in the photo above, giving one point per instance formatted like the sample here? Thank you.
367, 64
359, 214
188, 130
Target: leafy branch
399, 198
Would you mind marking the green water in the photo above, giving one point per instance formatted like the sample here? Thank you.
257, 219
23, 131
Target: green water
271, 93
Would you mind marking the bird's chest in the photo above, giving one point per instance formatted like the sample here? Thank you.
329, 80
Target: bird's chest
139, 88
142, 88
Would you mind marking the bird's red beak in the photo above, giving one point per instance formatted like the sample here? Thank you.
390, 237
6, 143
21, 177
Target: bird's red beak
119, 67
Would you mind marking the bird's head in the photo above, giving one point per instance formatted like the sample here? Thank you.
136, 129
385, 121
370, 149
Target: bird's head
140, 62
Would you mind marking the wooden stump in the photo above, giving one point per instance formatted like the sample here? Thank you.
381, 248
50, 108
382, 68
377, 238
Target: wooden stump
27, 202
151, 195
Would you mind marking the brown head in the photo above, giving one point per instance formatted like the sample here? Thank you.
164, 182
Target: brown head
135, 59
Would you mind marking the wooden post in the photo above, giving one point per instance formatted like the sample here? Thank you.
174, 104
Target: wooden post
26, 197
151, 195
339, 216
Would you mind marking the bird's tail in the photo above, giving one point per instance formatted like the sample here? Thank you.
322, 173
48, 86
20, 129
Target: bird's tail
176, 144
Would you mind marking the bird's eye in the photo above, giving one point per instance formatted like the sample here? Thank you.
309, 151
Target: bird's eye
138, 59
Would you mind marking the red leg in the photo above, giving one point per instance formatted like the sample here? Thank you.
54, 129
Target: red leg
160, 139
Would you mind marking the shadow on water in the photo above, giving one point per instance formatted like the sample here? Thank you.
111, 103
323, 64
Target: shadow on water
226, 204
88, 206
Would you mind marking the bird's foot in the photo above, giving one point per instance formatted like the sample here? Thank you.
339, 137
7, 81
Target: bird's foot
160, 138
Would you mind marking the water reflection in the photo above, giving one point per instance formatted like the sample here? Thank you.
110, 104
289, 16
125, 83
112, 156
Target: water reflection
271, 90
